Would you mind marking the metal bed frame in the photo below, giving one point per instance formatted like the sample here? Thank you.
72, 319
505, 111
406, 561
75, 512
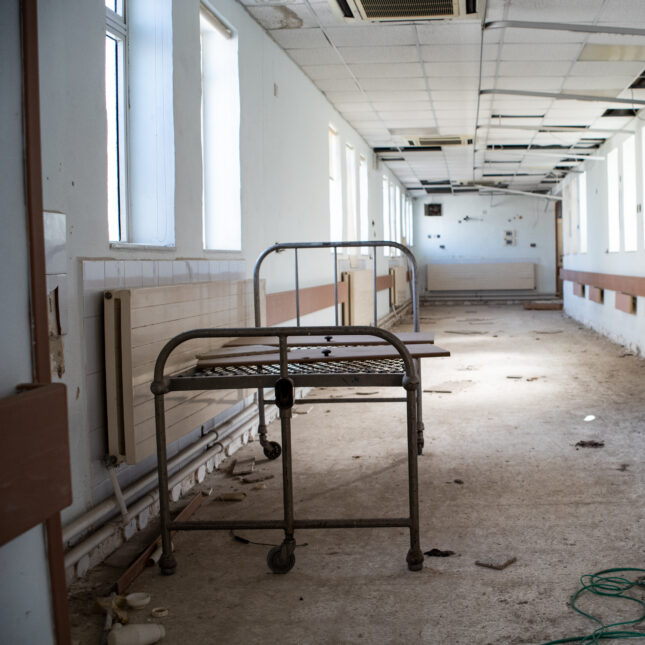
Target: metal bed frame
285, 377
272, 448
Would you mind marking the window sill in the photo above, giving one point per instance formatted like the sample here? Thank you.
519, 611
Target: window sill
141, 247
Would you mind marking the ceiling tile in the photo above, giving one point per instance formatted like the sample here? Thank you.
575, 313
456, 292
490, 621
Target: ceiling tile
393, 84
398, 96
449, 33
386, 35
538, 84
382, 70
453, 69
532, 52
346, 97
315, 56
583, 84
337, 84
370, 55
450, 53
535, 68
553, 10
611, 68
299, 38
402, 106
326, 71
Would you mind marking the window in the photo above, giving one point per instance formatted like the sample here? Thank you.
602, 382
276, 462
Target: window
140, 122
407, 221
220, 116
351, 232
630, 226
116, 35
582, 211
397, 217
574, 217
363, 209
386, 212
335, 188
613, 201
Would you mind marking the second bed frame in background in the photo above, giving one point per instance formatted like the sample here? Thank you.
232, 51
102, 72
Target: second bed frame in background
272, 449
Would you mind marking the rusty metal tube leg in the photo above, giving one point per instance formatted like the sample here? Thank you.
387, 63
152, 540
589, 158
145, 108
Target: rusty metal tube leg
287, 475
262, 424
167, 562
420, 424
415, 556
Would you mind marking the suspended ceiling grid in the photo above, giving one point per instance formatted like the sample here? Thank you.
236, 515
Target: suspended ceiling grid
394, 80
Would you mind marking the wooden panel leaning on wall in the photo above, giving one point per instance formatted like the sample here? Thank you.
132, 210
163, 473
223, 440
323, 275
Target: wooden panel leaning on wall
138, 322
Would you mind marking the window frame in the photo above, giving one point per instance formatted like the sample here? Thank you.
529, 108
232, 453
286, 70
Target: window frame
116, 29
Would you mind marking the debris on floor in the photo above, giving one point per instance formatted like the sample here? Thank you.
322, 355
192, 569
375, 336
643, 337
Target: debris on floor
231, 497
438, 553
458, 481
143, 634
137, 600
517, 378
544, 331
590, 443
257, 478
496, 563
300, 410
532, 378
438, 391
243, 466
623, 467
465, 332
356, 456
261, 486
590, 417
159, 612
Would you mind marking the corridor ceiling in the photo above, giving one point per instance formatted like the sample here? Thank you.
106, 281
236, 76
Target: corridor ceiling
498, 79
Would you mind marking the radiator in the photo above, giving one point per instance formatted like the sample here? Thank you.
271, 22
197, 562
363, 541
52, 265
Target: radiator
359, 310
400, 291
138, 322
498, 276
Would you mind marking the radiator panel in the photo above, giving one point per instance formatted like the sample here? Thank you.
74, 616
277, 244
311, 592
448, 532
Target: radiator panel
497, 276
138, 322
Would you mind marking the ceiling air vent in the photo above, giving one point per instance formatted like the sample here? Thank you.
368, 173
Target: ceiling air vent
384, 10
423, 142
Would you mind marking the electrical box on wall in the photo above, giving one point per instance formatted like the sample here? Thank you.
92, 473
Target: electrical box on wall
432, 210
509, 238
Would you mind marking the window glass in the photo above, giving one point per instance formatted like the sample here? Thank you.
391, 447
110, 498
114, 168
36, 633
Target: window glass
582, 211
613, 201
222, 217
351, 234
335, 189
364, 212
385, 193
630, 225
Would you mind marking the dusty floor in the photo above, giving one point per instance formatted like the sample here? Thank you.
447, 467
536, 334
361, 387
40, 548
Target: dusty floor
500, 476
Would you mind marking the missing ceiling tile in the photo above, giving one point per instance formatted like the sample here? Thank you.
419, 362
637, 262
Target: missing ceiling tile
626, 112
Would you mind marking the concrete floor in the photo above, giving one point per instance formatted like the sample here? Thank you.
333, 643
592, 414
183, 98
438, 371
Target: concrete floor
526, 491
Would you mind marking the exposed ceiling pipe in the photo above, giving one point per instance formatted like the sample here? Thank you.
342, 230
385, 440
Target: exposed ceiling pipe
564, 26
555, 129
565, 97
565, 154
493, 189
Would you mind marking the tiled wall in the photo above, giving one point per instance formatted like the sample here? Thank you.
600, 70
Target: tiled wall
99, 275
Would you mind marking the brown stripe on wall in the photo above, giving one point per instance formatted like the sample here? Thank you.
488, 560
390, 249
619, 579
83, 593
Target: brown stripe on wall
281, 306
632, 285
383, 282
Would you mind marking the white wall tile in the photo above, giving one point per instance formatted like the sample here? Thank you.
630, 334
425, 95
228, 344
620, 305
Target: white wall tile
114, 276
94, 358
95, 396
132, 274
164, 272
149, 274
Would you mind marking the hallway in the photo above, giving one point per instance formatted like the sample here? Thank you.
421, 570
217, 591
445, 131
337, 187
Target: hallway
501, 477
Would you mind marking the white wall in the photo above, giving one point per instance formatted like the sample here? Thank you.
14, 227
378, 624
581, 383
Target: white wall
624, 328
25, 609
481, 239
284, 194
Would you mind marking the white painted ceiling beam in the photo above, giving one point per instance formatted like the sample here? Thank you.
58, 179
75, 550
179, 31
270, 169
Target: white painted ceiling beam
565, 97
564, 26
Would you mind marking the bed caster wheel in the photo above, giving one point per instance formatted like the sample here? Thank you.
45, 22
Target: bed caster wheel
167, 564
279, 561
272, 450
